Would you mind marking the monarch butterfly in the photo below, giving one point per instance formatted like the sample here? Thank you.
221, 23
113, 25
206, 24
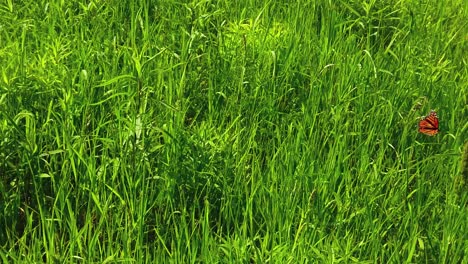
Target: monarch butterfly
429, 125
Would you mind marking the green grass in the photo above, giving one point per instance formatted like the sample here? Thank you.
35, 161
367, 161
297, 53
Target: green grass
233, 131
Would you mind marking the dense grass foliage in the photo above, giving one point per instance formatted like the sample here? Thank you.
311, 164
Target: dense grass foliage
233, 131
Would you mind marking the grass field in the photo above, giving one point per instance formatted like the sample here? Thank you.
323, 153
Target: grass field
233, 131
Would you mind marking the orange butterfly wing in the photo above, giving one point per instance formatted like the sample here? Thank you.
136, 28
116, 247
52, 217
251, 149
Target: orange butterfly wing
430, 124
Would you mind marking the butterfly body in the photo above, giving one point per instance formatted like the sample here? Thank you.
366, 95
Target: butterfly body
429, 125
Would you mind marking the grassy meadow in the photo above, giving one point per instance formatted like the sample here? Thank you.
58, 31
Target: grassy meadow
233, 131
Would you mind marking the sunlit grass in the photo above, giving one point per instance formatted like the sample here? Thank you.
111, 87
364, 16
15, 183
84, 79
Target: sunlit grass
232, 132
